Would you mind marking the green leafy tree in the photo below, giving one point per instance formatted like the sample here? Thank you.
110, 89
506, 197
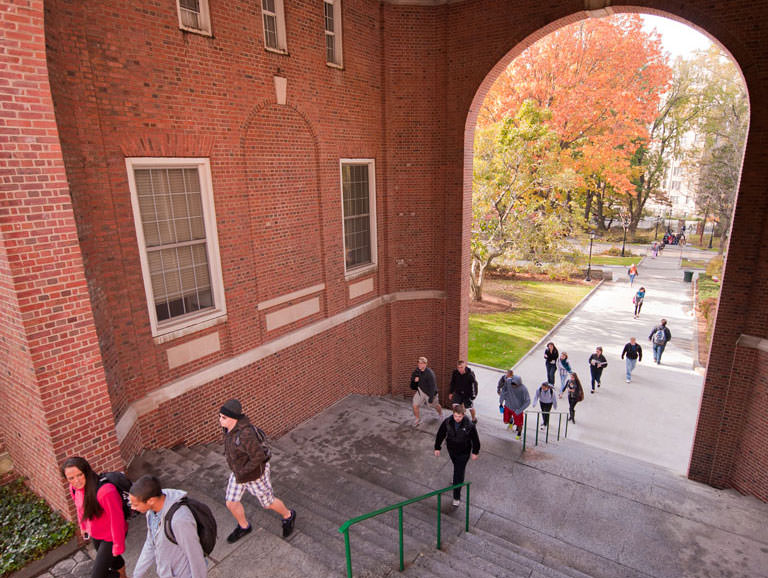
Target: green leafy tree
520, 207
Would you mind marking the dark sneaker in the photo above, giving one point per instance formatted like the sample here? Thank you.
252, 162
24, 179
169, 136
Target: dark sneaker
288, 524
238, 533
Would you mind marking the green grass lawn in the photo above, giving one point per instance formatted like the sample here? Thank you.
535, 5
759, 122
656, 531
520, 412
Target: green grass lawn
610, 260
688, 264
501, 339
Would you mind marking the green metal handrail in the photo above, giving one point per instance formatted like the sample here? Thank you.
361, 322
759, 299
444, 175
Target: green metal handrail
538, 413
344, 528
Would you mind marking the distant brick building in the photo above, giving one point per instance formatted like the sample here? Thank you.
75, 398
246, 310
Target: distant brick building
271, 200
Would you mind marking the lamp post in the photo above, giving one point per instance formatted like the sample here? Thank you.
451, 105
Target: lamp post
712, 233
589, 263
625, 225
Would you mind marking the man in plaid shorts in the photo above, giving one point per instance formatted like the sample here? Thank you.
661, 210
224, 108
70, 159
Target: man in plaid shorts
250, 471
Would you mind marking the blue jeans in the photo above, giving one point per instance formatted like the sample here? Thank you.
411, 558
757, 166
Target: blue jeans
658, 349
631, 363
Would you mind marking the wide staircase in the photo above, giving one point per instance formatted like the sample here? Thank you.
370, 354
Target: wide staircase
538, 514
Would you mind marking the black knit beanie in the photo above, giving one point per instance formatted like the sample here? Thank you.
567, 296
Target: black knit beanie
232, 408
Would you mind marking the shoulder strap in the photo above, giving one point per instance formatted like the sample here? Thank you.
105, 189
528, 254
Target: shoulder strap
169, 518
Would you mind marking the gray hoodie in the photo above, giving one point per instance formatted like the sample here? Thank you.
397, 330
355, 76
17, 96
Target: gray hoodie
185, 560
515, 396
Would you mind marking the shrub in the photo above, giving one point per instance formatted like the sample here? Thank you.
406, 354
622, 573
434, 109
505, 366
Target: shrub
28, 527
616, 252
715, 267
563, 270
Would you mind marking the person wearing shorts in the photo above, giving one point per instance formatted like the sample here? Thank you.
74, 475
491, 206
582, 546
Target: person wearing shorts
250, 471
424, 384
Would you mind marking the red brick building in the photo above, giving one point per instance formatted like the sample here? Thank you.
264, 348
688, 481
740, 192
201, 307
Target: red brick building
270, 200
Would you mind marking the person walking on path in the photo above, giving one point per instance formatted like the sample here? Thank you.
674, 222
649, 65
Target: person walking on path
633, 353
249, 462
564, 368
550, 360
575, 395
659, 336
185, 558
638, 301
463, 388
597, 363
515, 398
424, 383
503, 379
547, 399
462, 441
100, 516
632, 272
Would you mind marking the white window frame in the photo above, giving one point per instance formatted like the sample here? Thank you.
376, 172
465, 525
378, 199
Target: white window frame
337, 43
205, 19
212, 245
279, 14
350, 273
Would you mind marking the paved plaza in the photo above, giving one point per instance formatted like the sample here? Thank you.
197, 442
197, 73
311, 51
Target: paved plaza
654, 417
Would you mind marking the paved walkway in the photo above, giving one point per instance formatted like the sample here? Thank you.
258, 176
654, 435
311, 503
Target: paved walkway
654, 417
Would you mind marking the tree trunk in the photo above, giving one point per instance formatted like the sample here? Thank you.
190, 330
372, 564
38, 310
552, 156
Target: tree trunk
476, 278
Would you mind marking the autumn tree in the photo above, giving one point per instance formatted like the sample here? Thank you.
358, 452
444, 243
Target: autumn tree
601, 80
520, 209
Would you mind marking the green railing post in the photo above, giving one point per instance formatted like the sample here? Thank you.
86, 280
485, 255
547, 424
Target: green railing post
525, 428
439, 512
400, 528
537, 429
466, 523
348, 553
559, 424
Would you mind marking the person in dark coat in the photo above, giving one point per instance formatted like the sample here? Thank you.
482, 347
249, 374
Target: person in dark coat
633, 353
597, 363
575, 395
462, 441
659, 337
463, 388
424, 385
550, 361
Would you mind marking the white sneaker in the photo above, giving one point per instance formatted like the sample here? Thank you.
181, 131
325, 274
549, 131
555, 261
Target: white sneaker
416, 423
629, 381
456, 503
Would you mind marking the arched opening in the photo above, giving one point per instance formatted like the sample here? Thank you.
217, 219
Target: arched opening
665, 416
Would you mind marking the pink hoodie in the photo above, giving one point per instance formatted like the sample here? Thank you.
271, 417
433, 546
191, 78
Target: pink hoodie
111, 525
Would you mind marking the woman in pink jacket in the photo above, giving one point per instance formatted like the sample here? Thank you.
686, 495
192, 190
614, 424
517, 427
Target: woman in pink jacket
100, 515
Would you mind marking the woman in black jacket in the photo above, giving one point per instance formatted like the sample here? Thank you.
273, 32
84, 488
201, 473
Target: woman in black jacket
550, 360
462, 441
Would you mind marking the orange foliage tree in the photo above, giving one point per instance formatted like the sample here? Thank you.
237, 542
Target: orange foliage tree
601, 79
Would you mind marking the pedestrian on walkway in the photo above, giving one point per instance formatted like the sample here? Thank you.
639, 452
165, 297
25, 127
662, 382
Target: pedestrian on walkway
633, 353
463, 388
632, 272
564, 368
575, 395
515, 398
550, 361
503, 379
100, 515
638, 301
424, 383
659, 336
655, 249
185, 558
248, 458
546, 397
597, 363
462, 441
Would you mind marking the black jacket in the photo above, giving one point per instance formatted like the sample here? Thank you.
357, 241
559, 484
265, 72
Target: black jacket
459, 440
427, 382
632, 351
551, 356
464, 386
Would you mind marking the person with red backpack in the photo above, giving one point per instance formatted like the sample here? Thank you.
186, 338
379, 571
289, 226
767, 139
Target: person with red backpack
248, 458
100, 516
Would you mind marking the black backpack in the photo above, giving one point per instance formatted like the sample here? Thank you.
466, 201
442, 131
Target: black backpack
206, 523
123, 486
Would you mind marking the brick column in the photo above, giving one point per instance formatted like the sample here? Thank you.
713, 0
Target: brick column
52, 387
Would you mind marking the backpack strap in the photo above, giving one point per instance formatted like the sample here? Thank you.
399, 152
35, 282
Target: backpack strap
168, 519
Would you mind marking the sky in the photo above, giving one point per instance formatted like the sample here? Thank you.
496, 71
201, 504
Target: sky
679, 39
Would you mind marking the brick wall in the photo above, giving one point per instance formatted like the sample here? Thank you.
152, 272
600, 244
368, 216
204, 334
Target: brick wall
52, 385
130, 83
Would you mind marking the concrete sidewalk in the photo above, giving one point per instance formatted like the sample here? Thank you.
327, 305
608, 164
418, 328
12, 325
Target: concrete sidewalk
654, 417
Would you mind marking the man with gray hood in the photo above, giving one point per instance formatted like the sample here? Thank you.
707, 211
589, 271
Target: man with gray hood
185, 559
514, 396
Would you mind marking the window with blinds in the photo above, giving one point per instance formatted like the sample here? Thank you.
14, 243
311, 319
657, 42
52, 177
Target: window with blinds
358, 206
273, 19
173, 206
194, 16
332, 19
